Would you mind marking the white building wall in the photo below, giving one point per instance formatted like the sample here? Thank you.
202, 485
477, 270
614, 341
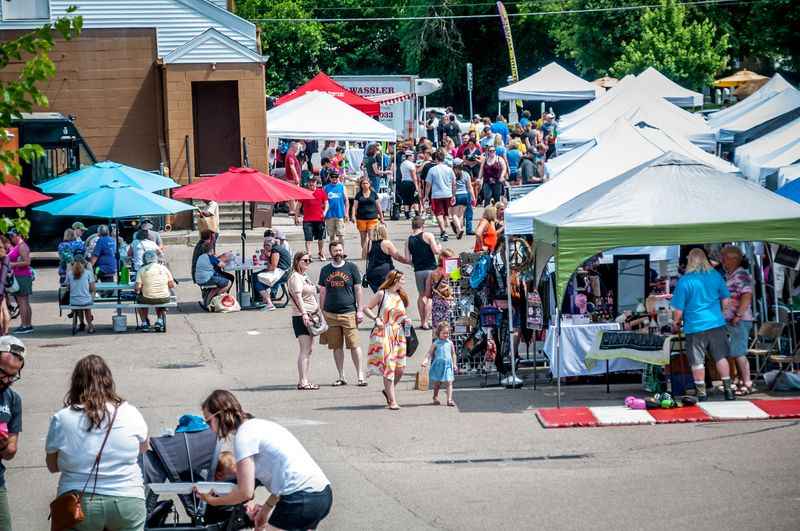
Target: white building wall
176, 21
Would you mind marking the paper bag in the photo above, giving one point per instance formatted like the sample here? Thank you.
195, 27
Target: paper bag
421, 382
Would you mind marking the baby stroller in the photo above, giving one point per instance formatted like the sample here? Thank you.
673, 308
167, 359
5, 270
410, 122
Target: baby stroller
186, 457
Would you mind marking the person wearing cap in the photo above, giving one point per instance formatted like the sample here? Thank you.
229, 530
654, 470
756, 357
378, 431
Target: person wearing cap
153, 284
20, 259
12, 360
78, 228
92, 409
550, 132
338, 208
314, 217
441, 187
407, 187
279, 260
140, 245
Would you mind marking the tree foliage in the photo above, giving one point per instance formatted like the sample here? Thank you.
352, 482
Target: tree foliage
23, 94
689, 53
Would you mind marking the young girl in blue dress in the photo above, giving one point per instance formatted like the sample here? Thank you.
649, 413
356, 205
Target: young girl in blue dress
442, 359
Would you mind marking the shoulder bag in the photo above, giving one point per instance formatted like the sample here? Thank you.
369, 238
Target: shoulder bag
66, 511
317, 325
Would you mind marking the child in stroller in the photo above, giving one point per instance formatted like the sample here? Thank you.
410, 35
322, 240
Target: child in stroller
188, 457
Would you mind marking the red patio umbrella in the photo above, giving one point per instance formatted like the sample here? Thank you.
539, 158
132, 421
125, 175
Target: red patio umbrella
13, 196
242, 185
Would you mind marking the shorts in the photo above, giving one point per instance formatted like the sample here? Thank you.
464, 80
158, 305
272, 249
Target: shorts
25, 286
739, 338
440, 206
217, 281
366, 225
300, 328
462, 200
421, 278
342, 330
141, 299
313, 230
302, 510
335, 229
713, 342
407, 190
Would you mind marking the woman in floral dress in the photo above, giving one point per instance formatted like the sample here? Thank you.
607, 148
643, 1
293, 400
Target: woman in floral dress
387, 341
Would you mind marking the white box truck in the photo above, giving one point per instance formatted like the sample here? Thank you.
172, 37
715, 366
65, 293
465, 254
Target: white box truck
399, 115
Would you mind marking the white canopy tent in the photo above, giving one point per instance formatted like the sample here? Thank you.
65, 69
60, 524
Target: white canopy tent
552, 83
654, 82
788, 173
770, 113
638, 106
770, 153
618, 149
594, 105
774, 86
318, 115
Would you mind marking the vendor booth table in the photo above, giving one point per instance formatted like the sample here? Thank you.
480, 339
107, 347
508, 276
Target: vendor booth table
576, 343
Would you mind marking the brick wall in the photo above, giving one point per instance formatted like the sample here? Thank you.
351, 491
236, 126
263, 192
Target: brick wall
178, 80
108, 79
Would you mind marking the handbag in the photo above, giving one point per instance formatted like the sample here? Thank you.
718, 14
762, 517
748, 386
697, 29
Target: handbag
317, 325
12, 286
412, 342
66, 510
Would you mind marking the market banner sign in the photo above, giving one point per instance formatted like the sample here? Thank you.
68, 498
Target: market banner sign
645, 348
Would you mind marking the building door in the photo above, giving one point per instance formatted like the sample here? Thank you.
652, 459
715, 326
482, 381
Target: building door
217, 139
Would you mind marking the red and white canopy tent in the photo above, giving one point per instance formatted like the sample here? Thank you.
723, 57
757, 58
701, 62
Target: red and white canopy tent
322, 83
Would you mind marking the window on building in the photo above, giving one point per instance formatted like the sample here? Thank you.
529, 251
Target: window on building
25, 9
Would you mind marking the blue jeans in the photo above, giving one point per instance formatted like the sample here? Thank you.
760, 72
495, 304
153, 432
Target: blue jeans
468, 219
739, 338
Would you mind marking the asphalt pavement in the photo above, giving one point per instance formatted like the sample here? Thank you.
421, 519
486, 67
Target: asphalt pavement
486, 464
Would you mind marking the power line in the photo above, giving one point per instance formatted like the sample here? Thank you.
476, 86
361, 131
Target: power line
495, 15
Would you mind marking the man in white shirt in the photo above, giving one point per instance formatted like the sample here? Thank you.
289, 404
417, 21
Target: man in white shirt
441, 185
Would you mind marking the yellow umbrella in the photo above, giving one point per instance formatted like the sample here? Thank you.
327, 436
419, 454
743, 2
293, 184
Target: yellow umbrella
739, 78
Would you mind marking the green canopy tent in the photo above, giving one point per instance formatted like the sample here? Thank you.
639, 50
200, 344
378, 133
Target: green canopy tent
672, 200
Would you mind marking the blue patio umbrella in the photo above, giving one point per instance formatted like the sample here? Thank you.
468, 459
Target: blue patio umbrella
106, 172
114, 201
791, 190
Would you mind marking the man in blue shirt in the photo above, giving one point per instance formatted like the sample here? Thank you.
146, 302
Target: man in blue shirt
698, 301
338, 206
500, 126
104, 255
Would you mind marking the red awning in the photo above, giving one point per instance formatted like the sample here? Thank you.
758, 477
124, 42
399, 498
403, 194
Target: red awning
391, 98
323, 83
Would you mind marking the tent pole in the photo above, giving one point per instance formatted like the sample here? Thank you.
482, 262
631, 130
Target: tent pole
512, 354
774, 280
558, 333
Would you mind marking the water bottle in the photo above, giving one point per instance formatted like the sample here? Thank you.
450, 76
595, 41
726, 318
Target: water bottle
406, 328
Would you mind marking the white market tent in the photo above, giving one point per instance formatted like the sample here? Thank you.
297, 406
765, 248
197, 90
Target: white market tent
638, 106
774, 86
770, 153
552, 83
654, 82
768, 115
620, 148
318, 115
788, 173
594, 105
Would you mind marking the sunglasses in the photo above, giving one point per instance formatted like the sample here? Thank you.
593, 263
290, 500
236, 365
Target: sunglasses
8, 377
306, 260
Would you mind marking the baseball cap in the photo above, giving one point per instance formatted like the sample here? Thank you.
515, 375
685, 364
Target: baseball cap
191, 424
12, 232
457, 161
13, 345
78, 226
150, 257
145, 221
408, 153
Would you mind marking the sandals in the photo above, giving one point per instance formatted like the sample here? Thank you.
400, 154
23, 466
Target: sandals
437, 402
307, 387
393, 408
91, 329
321, 257
744, 390
339, 383
451, 404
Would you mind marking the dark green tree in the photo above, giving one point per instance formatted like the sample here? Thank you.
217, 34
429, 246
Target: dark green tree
689, 53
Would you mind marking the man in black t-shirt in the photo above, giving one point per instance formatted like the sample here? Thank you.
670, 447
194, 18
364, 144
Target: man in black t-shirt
340, 299
12, 359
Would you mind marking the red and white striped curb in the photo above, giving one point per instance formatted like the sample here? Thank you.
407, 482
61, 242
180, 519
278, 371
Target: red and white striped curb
576, 417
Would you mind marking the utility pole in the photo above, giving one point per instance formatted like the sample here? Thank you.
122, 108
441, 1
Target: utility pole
469, 88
